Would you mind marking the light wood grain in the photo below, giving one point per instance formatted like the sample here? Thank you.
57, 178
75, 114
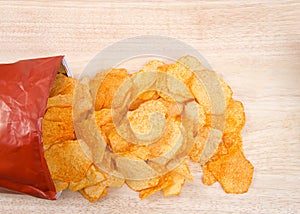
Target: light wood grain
255, 46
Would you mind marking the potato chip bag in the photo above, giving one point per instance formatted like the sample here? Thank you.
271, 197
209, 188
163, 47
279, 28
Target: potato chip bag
24, 91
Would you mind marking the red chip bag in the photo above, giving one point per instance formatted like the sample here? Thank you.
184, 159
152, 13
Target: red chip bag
24, 90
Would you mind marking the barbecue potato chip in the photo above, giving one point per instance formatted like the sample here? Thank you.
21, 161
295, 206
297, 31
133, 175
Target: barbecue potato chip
226, 90
112, 81
171, 136
171, 183
93, 177
173, 109
233, 171
146, 96
117, 143
62, 85
199, 92
138, 152
179, 71
59, 114
184, 170
208, 177
103, 117
58, 122
211, 146
163, 182
191, 63
199, 143
114, 181
140, 118
56, 131
235, 117
142, 184
67, 162
95, 192
152, 65
99, 189
174, 188
61, 101
134, 169
60, 185
149, 95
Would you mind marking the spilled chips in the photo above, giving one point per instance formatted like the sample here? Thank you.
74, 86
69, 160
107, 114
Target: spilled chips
158, 120
68, 164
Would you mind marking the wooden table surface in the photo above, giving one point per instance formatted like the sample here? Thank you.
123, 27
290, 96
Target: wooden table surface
255, 46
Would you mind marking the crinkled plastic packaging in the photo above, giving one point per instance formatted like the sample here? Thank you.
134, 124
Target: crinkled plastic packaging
24, 91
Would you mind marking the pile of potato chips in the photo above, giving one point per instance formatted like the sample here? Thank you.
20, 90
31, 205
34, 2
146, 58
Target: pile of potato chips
222, 161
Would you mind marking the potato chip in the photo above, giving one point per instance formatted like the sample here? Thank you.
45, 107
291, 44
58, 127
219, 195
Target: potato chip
106, 130
172, 89
134, 169
233, 171
171, 183
199, 92
180, 72
144, 125
94, 193
171, 136
163, 182
235, 117
183, 170
138, 152
226, 90
108, 87
117, 143
103, 116
140, 118
67, 162
232, 140
152, 65
210, 91
149, 95
146, 96
56, 131
61, 101
93, 177
98, 190
114, 181
142, 184
63, 85
211, 146
173, 109
208, 177
174, 188
199, 143
59, 114
222, 150
191, 63
60, 185
57, 125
